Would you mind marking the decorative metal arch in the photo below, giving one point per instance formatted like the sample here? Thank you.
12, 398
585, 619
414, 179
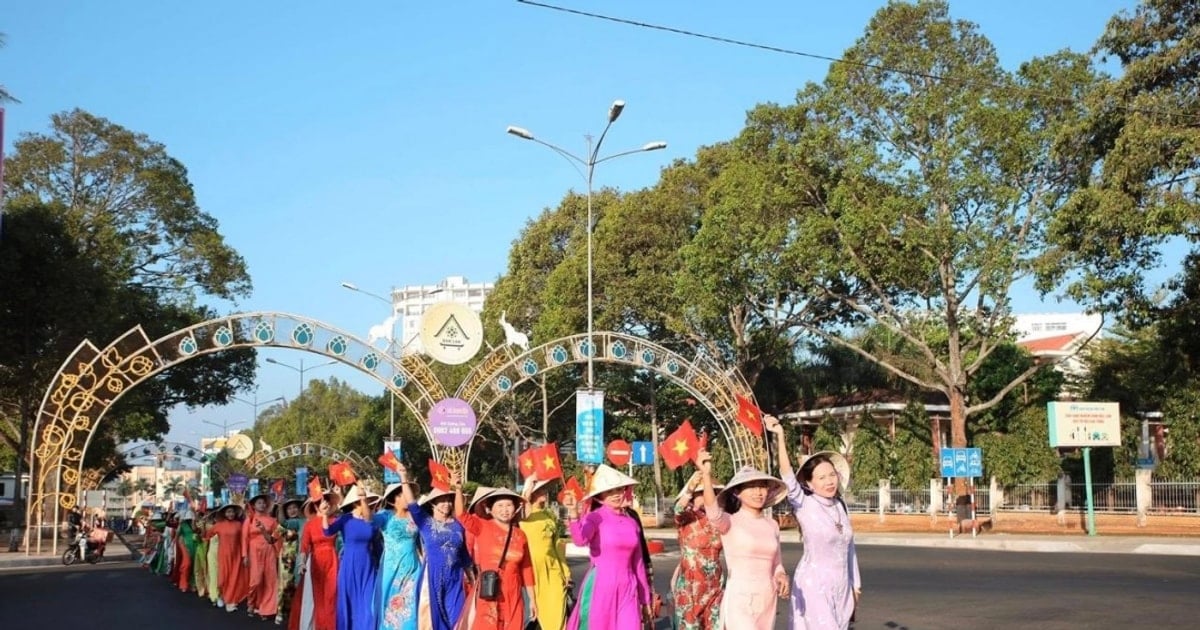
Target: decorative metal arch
261, 460
713, 385
91, 478
91, 380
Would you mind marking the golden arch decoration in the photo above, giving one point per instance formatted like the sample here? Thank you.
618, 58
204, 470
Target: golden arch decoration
92, 379
713, 385
262, 460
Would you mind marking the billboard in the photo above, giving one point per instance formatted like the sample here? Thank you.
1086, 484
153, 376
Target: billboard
1084, 424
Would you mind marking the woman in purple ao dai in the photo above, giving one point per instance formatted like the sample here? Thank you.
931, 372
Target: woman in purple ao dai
826, 587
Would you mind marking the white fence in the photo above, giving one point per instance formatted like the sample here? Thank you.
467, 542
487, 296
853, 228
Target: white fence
1166, 497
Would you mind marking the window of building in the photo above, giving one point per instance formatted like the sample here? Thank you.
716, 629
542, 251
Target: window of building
1056, 326
1036, 328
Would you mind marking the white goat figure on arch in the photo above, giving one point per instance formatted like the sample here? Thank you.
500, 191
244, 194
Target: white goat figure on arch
382, 330
512, 335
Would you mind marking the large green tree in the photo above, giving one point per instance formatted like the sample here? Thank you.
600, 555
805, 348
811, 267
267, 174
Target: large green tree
118, 205
945, 169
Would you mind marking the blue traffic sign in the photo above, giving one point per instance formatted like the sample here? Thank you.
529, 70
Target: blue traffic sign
961, 462
643, 453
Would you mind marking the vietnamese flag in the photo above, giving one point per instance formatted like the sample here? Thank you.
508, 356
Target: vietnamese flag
440, 475
573, 488
389, 461
341, 474
314, 490
525, 461
681, 446
546, 462
277, 490
749, 415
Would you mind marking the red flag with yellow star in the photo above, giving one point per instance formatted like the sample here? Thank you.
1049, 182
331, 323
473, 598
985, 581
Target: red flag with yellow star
440, 475
341, 474
525, 461
546, 462
572, 487
749, 415
681, 446
389, 461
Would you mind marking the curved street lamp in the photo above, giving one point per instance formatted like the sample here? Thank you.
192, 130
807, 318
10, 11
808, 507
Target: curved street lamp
593, 158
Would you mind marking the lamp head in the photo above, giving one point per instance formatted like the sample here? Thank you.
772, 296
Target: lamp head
520, 132
614, 112
349, 285
654, 146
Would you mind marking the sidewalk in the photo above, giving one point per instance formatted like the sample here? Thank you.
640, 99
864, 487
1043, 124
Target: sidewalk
121, 549
1045, 543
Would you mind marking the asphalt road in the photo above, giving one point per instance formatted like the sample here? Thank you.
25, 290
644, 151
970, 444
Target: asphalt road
903, 588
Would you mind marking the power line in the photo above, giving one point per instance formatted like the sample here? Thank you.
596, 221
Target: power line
819, 57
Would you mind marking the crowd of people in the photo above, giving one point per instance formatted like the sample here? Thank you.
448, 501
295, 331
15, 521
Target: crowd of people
356, 560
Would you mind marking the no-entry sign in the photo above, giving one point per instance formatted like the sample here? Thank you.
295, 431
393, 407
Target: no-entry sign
619, 452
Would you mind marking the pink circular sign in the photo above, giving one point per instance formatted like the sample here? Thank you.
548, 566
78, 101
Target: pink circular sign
452, 422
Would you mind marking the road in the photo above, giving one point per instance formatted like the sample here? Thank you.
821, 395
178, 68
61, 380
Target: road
911, 588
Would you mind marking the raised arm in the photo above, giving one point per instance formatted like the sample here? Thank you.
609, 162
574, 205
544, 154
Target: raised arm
406, 493
712, 511
795, 492
460, 504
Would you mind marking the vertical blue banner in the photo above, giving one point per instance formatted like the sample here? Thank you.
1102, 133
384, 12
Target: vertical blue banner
225, 496
252, 489
210, 501
390, 476
589, 426
302, 481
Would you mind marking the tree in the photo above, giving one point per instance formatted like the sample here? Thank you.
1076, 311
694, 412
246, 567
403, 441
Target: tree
945, 168
1022, 454
125, 489
870, 454
913, 448
1182, 460
1143, 147
130, 247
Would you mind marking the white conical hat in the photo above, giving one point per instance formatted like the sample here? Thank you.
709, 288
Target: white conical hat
607, 478
480, 493
839, 464
352, 498
749, 474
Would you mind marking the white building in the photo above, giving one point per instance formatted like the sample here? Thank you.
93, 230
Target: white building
409, 303
1058, 337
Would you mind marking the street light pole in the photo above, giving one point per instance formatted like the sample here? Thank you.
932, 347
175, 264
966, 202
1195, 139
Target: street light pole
255, 404
301, 370
391, 349
593, 152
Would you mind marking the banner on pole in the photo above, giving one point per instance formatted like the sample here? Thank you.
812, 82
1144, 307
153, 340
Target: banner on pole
589, 426
389, 475
301, 481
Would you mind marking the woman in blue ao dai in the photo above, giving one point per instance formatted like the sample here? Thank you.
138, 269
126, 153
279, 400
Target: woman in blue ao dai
447, 563
400, 568
827, 586
359, 563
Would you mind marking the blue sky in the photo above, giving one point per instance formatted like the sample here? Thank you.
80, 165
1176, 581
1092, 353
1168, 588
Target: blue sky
367, 144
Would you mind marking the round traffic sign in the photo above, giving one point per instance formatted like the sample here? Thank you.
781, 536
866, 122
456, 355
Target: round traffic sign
619, 452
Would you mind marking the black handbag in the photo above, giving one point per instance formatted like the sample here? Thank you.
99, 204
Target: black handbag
489, 581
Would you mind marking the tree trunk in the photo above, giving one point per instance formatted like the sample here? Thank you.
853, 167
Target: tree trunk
958, 430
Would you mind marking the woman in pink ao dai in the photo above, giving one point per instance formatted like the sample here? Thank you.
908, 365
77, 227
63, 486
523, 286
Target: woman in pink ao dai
756, 578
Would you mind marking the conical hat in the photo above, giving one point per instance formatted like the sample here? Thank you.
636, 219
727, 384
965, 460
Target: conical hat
480, 493
607, 478
839, 464
479, 506
533, 484
435, 493
352, 497
776, 488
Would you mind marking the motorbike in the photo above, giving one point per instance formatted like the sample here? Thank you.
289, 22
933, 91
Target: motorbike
93, 550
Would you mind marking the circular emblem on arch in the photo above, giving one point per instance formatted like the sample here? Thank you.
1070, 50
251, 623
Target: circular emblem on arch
187, 346
264, 332
370, 361
558, 354
673, 366
529, 366
400, 379
503, 383
648, 356
586, 348
303, 335
224, 337
618, 350
337, 346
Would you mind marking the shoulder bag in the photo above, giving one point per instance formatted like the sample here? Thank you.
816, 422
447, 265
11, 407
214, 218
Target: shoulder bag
489, 581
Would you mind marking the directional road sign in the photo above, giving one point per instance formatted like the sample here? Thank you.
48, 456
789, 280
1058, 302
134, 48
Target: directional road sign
643, 453
961, 462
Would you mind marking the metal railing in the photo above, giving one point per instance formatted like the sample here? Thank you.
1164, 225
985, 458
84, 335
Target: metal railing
1120, 496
